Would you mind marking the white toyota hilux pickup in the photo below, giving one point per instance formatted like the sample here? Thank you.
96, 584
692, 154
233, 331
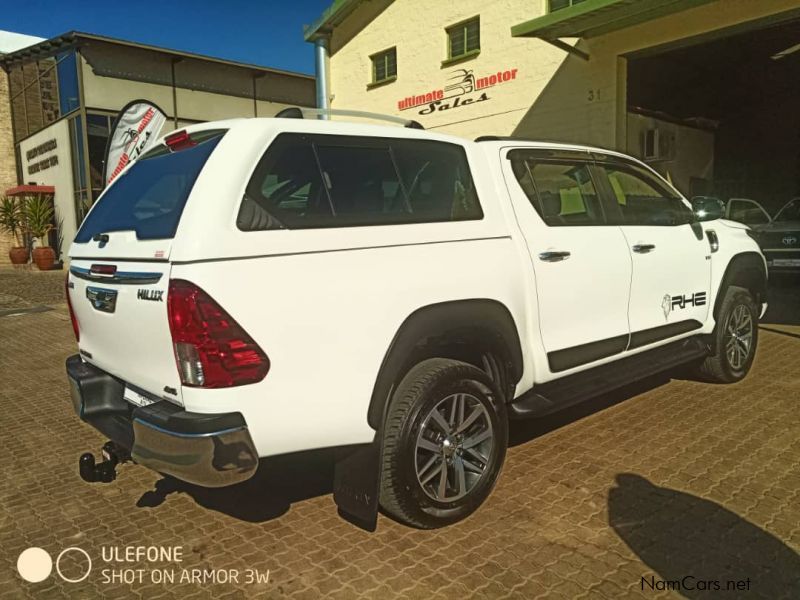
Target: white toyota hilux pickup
256, 287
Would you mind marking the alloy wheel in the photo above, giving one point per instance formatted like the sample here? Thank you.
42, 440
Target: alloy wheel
453, 447
738, 337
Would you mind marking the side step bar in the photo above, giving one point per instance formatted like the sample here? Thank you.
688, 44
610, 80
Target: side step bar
555, 395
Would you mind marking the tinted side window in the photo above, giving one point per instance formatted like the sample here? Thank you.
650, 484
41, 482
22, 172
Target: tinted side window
643, 200
308, 181
561, 192
436, 180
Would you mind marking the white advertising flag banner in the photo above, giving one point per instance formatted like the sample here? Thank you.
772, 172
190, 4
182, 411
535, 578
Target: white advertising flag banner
135, 131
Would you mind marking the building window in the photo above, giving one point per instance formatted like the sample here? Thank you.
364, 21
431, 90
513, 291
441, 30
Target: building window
559, 4
464, 39
79, 184
67, 82
384, 66
42, 92
98, 128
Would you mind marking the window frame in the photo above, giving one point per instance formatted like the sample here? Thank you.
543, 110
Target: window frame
560, 157
467, 54
330, 140
382, 55
634, 169
572, 3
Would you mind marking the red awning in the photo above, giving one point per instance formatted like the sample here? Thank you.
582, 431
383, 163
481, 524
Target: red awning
22, 190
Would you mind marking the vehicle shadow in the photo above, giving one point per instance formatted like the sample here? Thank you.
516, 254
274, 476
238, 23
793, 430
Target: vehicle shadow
687, 540
279, 482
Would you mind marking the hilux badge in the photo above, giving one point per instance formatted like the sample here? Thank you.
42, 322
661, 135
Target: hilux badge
154, 295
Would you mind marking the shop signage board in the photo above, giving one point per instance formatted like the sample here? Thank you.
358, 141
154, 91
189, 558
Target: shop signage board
40, 158
461, 89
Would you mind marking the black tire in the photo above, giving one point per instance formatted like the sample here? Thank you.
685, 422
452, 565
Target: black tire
721, 367
440, 384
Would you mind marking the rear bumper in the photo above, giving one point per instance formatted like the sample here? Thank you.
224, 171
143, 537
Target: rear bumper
212, 450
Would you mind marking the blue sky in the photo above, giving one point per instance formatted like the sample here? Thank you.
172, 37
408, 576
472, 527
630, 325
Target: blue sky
264, 32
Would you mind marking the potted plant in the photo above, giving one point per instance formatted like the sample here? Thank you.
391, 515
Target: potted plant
38, 213
11, 222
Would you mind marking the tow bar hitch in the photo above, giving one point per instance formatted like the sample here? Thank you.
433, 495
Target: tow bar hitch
105, 471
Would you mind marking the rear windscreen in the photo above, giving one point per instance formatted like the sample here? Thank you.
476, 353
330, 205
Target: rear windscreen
149, 197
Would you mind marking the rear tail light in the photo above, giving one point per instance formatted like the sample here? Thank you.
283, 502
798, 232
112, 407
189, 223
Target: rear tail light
211, 349
72, 316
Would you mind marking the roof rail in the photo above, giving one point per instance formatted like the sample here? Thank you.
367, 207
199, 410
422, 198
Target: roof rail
302, 112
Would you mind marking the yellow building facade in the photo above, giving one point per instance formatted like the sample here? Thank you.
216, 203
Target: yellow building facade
545, 69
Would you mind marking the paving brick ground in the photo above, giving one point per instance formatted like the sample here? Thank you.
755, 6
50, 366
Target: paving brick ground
23, 287
668, 479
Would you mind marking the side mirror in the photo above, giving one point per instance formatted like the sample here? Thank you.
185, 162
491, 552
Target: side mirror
708, 208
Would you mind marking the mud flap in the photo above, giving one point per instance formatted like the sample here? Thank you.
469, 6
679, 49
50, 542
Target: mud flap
356, 481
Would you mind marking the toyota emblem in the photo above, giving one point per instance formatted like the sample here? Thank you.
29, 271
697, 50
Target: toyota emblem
789, 240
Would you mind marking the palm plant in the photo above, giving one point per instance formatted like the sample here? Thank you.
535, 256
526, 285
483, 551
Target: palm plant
12, 219
38, 213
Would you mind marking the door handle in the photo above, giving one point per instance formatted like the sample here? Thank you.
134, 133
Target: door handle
554, 256
644, 248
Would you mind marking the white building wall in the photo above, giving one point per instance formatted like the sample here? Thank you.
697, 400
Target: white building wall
59, 175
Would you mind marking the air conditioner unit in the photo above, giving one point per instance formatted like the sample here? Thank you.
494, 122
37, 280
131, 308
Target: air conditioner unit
658, 144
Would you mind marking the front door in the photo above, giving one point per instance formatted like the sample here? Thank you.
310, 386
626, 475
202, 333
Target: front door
581, 264
670, 254
747, 211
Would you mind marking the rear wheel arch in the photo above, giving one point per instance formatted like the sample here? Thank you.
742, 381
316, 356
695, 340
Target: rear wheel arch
479, 331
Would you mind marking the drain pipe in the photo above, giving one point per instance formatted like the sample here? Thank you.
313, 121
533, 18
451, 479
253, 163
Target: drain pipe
321, 67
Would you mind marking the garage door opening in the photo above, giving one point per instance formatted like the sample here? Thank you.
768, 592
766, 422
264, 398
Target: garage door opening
722, 117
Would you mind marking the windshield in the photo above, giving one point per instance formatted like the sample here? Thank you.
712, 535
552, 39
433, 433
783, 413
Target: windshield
149, 197
790, 212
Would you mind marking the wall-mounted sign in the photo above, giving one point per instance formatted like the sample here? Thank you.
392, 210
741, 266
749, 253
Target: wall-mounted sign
461, 90
47, 161
135, 130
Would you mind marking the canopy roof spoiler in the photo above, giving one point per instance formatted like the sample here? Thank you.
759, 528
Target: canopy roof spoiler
301, 112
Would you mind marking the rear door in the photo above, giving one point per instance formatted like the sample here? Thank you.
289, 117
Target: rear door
120, 269
670, 254
580, 263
